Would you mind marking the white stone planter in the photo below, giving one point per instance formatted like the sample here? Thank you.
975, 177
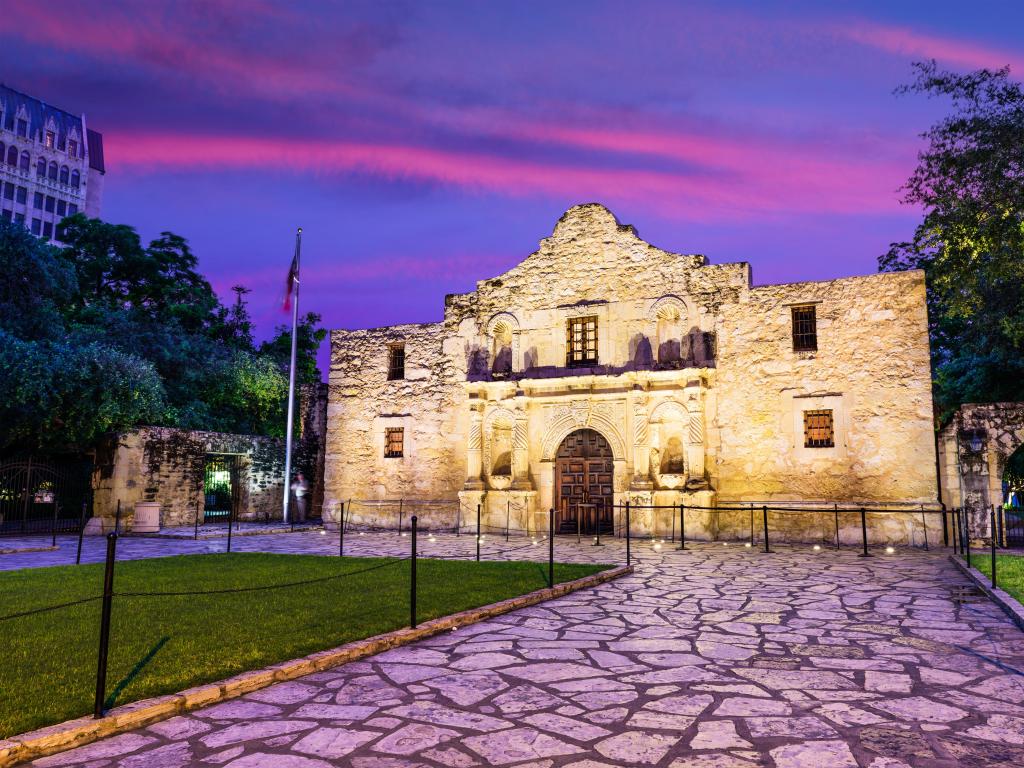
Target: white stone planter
147, 517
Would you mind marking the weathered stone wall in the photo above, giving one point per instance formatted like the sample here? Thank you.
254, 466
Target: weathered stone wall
692, 360
871, 369
166, 465
971, 475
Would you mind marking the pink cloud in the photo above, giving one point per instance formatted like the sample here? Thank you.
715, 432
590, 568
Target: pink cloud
912, 44
734, 180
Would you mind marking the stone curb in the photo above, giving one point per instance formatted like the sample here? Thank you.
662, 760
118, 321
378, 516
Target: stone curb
1010, 605
207, 536
85, 730
19, 550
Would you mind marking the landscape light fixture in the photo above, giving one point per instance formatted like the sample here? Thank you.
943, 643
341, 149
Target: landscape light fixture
889, 550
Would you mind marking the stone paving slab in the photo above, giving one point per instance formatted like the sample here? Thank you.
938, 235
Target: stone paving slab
719, 657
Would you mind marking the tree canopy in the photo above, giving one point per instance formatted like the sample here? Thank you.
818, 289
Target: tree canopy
106, 334
969, 181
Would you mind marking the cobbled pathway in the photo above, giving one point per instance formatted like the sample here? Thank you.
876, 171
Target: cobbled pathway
718, 657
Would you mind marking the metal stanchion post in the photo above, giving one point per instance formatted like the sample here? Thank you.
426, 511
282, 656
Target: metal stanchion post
1002, 527
108, 599
478, 533
672, 537
81, 533
836, 507
924, 525
412, 580
551, 547
682, 527
508, 514
400, 501
231, 524
117, 518
341, 530
764, 514
53, 527
993, 538
864, 531
195, 528
629, 558
751, 525
597, 526
458, 519
967, 534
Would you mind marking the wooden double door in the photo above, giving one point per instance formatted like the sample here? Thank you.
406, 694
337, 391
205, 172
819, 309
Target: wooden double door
583, 483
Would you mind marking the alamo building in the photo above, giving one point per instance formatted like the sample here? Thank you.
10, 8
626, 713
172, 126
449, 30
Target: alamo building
602, 369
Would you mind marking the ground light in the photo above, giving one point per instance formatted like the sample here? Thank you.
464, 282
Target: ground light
323, 533
657, 546
889, 550
817, 547
747, 545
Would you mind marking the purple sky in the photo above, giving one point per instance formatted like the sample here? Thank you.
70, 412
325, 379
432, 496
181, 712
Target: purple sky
424, 146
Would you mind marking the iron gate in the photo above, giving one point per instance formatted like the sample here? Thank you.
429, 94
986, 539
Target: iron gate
220, 488
44, 494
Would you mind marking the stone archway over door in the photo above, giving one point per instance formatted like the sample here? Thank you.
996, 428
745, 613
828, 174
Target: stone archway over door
584, 472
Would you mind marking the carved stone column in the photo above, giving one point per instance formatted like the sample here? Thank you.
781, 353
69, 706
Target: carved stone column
641, 479
695, 449
521, 453
474, 450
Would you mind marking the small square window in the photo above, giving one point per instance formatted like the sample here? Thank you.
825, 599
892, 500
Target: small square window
396, 362
581, 342
805, 329
818, 430
394, 442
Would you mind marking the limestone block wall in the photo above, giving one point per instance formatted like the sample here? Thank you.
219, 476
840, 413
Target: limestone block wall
871, 369
166, 465
973, 451
427, 404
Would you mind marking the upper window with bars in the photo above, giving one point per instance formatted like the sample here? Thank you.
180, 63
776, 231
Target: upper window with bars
819, 429
805, 328
396, 362
581, 342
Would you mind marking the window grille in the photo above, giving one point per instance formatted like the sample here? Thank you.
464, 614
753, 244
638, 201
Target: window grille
805, 329
818, 431
581, 342
396, 362
394, 442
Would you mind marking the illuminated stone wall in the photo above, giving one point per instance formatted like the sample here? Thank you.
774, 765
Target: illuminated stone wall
698, 390
167, 466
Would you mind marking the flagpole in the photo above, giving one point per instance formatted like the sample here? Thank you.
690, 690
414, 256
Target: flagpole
291, 380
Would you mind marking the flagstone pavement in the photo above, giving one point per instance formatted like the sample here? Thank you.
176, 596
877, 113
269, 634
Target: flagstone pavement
718, 657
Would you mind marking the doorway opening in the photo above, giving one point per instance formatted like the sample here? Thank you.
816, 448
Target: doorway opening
584, 471
220, 488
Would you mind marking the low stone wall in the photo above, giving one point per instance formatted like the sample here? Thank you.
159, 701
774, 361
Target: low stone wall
167, 466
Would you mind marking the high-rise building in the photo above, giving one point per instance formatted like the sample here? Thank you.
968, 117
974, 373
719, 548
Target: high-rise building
51, 164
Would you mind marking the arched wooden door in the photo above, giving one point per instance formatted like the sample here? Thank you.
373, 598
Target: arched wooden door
583, 477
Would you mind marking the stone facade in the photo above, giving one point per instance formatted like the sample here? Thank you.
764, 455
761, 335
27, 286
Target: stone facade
167, 466
696, 390
973, 451
51, 164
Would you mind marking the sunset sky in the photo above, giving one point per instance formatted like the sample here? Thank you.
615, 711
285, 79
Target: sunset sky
424, 146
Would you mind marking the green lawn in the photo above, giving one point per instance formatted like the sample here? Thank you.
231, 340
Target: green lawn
48, 661
1009, 571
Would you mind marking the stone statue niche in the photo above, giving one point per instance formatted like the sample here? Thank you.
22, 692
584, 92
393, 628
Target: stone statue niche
668, 447
501, 367
670, 337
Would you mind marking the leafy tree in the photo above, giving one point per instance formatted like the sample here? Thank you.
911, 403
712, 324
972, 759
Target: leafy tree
35, 284
56, 395
309, 337
970, 183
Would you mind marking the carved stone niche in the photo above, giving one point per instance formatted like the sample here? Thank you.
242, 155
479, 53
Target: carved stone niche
668, 454
505, 456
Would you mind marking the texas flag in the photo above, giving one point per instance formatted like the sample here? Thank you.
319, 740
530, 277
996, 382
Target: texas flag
293, 280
